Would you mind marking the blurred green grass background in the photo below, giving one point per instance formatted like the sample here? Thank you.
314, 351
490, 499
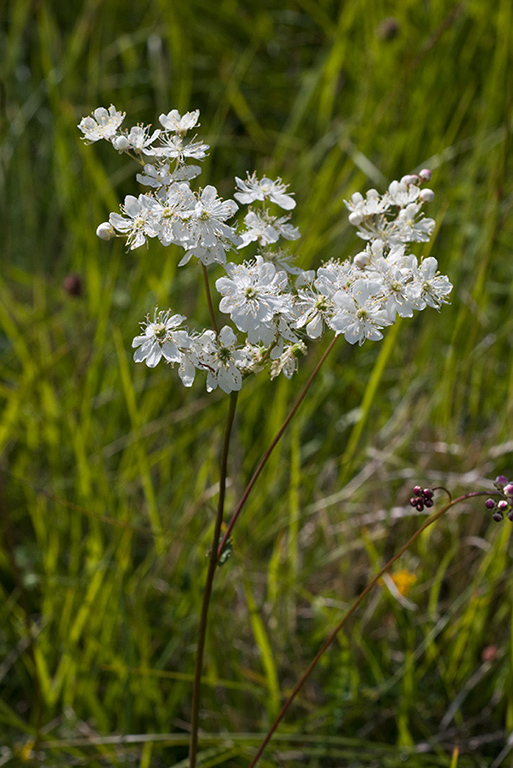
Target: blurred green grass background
108, 471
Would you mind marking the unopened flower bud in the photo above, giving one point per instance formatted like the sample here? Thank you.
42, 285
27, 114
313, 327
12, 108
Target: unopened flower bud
409, 179
490, 504
355, 218
121, 143
105, 231
425, 174
502, 505
501, 481
417, 489
508, 489
427, 195
498, 516
361, 260
428, 493
510, 515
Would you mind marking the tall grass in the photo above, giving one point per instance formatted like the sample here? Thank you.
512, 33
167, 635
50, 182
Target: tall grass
108, 472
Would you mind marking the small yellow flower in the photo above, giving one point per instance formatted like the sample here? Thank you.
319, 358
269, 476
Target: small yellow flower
404, 581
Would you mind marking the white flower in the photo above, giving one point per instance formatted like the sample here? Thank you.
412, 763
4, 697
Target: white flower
315, 309
138, 138
286, 230
160, 175
363, 208
434, 287
402, 194
221, 358
173, 146
159, 339
397, 287
360, 314
305, 277
334, 276
267, 229
142, 221
209, 214
258, 228
282, 258
174, 213
208, 237
287, 362
408, 228
252, 296
173, 121
253, 189
102, 125
156, 176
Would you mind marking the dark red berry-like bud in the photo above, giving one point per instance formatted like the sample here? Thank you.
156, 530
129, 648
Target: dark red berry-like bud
498, 516
417, 490
429, 503
428, 493
413, 501
510, 515
420, 505
490, 503
502, 505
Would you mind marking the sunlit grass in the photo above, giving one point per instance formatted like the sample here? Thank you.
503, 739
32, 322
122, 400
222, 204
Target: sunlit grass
109, 471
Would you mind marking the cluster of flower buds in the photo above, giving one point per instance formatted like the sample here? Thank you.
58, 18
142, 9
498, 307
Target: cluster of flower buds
274, 305
502, 506
423, 497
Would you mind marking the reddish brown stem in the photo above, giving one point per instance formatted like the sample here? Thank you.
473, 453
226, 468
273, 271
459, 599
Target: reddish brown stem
265, 457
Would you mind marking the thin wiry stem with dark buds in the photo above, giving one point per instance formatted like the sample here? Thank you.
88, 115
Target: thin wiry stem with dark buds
212, 562
324, 647
265, 457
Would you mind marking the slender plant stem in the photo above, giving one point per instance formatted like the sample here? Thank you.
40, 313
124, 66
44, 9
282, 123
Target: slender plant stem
212, 562
265, 457
209, 300
350, 612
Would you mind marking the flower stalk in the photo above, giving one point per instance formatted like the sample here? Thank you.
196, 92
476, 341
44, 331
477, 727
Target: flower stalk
209, 300
212, 562
265, 457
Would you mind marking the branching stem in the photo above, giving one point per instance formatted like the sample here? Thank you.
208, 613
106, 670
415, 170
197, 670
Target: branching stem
265, 457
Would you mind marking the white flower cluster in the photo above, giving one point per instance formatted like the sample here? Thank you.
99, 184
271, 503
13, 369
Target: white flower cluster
273, 304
